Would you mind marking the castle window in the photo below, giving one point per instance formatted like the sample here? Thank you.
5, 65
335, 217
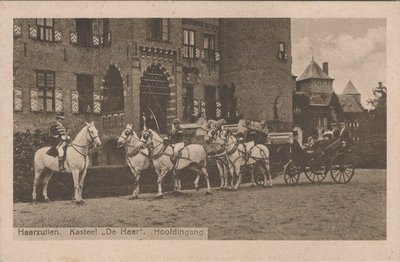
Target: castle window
84, 30
106, 31
281, 47
85, 90
45, 29
45, 82
188, 44
160, 29
209, 48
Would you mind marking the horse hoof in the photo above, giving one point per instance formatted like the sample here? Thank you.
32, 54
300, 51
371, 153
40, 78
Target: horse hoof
197, 188
253, 185
47, 200
208, 193
133, 197
159, 196
79, 203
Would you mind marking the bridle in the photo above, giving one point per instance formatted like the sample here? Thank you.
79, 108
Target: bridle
129, 134
91, 142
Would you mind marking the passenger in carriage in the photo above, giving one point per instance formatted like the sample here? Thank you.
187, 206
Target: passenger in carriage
298, 155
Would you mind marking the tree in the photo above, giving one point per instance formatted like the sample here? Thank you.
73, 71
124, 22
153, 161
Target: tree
377, 113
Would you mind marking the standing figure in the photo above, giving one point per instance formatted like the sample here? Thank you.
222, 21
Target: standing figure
345, 134
176, 138
58, 134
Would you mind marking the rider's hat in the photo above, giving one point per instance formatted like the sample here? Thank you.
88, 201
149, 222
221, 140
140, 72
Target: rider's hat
176, 121
60, 115
295, 133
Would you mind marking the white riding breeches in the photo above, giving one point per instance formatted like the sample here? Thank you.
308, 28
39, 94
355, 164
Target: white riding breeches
60, 148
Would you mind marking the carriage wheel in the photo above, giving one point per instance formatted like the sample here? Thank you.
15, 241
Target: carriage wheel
291, 174
259, 172
342, 168
317, 176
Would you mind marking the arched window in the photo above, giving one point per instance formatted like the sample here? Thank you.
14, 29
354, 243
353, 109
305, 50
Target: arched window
113, 91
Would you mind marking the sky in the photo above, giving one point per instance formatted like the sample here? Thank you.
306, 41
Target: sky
354, 48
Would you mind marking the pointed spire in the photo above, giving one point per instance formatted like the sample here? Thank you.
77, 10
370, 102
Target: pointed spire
350, 89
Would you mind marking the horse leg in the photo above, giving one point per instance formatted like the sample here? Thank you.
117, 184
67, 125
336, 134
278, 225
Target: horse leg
82, 176
233, 173
46, 180
221, 174
253, 184
268, 170
75, 176
159, 183
135, 193
205, 174
196, 181
239, 175
175, 177
38, 172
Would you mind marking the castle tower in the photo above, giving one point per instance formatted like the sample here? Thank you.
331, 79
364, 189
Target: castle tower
256, 60
315, 80
351, 90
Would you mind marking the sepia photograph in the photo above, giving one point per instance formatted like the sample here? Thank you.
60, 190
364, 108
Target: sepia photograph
209, 128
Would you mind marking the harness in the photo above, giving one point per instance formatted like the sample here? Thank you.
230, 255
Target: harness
87, 146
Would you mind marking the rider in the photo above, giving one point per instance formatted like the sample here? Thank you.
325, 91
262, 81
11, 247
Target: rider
176, 138
59, 133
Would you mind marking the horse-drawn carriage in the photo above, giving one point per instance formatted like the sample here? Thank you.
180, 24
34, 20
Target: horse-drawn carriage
336, 160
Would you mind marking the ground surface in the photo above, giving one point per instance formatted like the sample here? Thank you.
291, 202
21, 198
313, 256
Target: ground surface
307, 211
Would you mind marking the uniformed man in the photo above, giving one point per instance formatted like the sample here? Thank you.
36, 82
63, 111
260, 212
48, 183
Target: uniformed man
176, 138
345, 134
58, 133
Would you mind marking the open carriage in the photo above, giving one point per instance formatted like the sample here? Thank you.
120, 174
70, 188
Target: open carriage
337, 161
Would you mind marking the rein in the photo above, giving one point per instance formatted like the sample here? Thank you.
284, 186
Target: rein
85, 146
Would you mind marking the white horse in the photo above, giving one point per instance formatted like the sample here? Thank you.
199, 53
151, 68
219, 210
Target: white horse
192, 155
137, 156
220, 158
76, 162
239, 155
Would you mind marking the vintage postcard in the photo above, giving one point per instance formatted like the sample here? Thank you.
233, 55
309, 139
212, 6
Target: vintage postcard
132, 129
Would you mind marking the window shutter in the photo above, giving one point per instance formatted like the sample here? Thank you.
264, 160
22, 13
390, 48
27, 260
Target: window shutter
218, 111
203, 108
17, 30
217, 57
32, 32
34, 101
96, 103
17, 99
75, 102
73, 37
59, 100
95, 40
196, 108
57, 36
109, 38
198, 53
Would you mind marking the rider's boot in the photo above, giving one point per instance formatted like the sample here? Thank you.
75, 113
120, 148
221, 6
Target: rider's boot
61, 163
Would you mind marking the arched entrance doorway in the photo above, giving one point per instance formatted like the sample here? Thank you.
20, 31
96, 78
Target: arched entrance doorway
113, 91
154, 94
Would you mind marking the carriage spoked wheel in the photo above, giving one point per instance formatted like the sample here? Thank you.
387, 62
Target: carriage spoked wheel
259, 175
342, 168
291, 174
316, 176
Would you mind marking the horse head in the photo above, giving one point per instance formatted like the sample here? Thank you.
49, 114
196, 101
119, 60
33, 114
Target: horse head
211, 135
225, 135
125, 135
92, 135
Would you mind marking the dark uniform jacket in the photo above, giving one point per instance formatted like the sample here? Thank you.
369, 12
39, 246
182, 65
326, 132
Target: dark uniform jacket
298, 155
346, 136
177, 136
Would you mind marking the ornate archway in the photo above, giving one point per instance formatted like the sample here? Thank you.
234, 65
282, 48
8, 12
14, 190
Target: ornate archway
154, 95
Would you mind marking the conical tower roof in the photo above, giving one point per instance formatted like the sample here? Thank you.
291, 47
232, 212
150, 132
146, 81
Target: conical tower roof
313, 71
350, 89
